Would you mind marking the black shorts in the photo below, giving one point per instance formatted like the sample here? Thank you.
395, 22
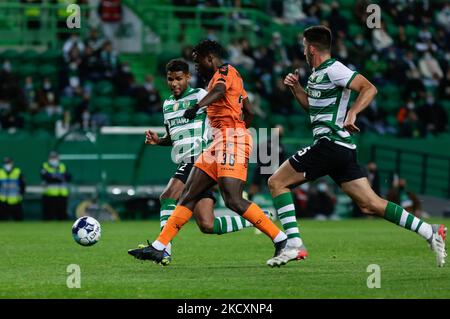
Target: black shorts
182, 174
327, 158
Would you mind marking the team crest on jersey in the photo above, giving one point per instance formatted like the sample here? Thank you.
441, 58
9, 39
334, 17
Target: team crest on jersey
186, 104
319, 78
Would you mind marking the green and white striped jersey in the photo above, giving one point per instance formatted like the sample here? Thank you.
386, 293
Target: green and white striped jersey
189, 137
328, 97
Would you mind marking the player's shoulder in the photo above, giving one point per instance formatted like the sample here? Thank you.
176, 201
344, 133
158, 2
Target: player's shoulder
227, 69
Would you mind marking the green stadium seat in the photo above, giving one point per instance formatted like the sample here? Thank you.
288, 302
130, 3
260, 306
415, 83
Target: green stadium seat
141, 119
29, 56
122, 103
354, 29
122, 119
101, 103
10, 55
27, 70
50, 56
104, 88
48, 70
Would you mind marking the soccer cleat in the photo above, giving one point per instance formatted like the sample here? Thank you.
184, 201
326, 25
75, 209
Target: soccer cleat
288, 254
147, 253
279, 247
437, 243
167, 259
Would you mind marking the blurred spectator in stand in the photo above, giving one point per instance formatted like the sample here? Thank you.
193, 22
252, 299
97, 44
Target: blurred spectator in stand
94, 40
321, 201
408, 200
293, 11
90, 69
337, 21
278, 53
51, 107
433, 116
430, 70
260, 176
237, 56
12, 189
301, 200
408, 121
73, 42
281, 100
124, 80
10, 88
108, 60
297, 49
11, 120
110, 12
381, 40
30, 94
374, 119
444, 86
443, 17
46, 92
148, 97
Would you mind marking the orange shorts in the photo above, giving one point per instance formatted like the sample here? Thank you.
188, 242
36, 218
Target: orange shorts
227, 156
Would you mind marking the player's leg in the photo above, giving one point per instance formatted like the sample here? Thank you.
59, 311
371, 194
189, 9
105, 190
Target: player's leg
370, 203
197, 183
231, 190
168, 200
209, 224
280, 184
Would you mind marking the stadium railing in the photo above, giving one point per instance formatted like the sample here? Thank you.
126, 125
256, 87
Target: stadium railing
44, 27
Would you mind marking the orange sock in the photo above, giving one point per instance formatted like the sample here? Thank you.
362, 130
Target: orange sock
179, 217
256, 216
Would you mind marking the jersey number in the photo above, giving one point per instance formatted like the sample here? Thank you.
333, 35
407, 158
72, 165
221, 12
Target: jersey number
230, 159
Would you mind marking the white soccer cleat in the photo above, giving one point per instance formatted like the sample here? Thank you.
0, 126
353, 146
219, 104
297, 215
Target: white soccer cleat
437, 243
288, 254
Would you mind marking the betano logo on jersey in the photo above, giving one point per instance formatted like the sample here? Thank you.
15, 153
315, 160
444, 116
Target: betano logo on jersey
178, 121
314, 93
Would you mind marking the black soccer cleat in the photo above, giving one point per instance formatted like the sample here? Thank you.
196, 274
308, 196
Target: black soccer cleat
147, 253
279, 247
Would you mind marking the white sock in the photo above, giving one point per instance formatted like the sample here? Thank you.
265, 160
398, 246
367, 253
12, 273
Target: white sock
295, 242
158, 245
280, 237
425, 230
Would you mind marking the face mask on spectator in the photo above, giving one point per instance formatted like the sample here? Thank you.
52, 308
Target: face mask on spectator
8, 167
430, 100
410, 106
322, 187
7, 66
53, 162
74, 81
47, 85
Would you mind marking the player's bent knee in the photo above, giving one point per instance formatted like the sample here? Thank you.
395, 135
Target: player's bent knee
274, 184
206, 227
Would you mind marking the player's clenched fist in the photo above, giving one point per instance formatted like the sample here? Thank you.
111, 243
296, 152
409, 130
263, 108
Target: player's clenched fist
151, 137
291, 79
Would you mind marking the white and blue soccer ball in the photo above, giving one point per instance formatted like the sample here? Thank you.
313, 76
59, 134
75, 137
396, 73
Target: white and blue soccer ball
86, 231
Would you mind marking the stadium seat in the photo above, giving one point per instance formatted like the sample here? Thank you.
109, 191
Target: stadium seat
122, 119
27, 70
29, 56
101, 103
104, 88
123, 103
141, 119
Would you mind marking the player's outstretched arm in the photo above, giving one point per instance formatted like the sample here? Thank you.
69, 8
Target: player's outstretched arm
249, 113
216, 93
152, 138
291, 80
367, 92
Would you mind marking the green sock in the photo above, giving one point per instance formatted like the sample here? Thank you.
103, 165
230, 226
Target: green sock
284, 205
397, 215
229, 224
167, 207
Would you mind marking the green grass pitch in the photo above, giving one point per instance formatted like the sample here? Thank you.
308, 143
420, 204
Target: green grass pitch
35, 256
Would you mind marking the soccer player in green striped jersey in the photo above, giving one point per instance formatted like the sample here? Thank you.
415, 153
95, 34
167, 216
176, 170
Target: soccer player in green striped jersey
188, 139
333, 153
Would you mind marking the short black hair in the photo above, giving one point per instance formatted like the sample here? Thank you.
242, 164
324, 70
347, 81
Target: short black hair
319, 36
177, 65
207, 46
